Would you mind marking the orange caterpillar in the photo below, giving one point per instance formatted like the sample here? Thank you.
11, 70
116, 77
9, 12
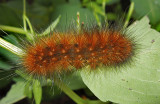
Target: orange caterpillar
63, 52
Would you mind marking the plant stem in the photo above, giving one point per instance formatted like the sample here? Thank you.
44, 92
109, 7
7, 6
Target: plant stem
25, 21
74, 96
78, 22
13, 29
131, 8
97, 19
105, 16
17, 30
24, 13
69, 92
29, 24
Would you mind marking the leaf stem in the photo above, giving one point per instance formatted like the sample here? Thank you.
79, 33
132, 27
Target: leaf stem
13, 29
104, 10
131, 8
24, 13
97, 19
74, 96
69, 92
78, 22
17, 30
29, 24
25, 21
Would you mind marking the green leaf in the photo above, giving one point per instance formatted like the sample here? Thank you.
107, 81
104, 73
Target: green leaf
5, 77
137, 82
68, 11
157, 27
12, 39
74, 81
4, 65
37, 91
51, 92
16, 93
151, 8
52, 26
28, 90
110, 2
9, 17
96, 8
8, 57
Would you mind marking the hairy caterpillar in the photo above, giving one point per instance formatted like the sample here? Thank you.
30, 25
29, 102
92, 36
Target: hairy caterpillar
63, 52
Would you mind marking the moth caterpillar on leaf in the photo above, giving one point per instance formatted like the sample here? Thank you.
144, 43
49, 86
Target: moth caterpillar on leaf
92, 48
63, 52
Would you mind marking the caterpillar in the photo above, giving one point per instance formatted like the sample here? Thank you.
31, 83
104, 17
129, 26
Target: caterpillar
63, 52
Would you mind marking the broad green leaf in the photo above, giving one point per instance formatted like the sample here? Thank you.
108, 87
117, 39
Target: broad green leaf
74, 81
52, 26
16, 93
137, 82
37, 91
147, 7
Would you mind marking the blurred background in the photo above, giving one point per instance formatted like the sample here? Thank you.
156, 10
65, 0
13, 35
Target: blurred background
41, 14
